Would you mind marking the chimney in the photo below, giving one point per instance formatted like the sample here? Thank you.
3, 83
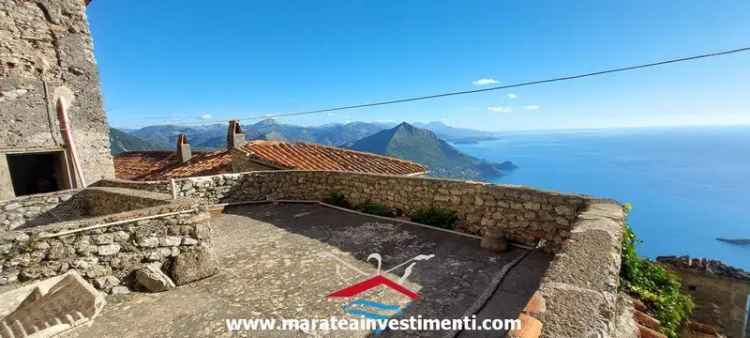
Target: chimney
235, 136
183, 148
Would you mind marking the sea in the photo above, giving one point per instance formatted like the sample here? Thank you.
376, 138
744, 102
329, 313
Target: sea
687, 185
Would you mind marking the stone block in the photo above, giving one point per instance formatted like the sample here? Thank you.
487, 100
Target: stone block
149, 242
153, 279
37, 305
108, 250
189, 241
106, 282
170, 241
194, 265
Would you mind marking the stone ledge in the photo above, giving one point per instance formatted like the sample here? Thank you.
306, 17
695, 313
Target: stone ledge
573, 312
588, 260
580, 288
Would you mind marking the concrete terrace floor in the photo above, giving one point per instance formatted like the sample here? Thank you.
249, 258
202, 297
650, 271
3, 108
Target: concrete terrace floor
274, 266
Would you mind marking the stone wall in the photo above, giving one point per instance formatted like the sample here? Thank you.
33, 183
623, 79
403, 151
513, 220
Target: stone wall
525, 215
106, 249
47, 54
163, 187
579, 294
244, 162
106, 201
720, 292
41, 209
38, 209
580, 287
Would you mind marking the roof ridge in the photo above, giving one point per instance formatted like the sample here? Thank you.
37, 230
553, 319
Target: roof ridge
360, 152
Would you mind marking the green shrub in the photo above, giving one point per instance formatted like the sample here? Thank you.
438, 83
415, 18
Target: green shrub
439, 217
658, 288
376, 209
337, 199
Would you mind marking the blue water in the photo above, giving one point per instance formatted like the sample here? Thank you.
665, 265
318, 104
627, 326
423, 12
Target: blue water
687, 185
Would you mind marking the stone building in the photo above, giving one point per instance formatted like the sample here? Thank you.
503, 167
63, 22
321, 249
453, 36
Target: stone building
47, 72
721, 293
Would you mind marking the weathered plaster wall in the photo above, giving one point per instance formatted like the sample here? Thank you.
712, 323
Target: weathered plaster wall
48, 41
105, 255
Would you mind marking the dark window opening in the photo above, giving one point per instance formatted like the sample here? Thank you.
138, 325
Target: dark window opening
692, 287
37, 173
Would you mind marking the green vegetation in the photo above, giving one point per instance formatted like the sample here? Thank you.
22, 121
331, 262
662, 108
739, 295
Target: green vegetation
376, 209
337, 199
658, 288
439, 217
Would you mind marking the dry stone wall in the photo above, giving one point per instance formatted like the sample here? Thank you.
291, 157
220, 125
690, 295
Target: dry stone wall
154, 186
525, 215
39, 209
579, 294
106, 249
61, 206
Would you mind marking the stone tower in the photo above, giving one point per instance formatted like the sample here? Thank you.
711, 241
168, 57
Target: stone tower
47, 71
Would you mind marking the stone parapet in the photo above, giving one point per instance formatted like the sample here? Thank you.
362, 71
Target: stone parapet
523, 214
154, 186
38, 209
127, 230
580, 288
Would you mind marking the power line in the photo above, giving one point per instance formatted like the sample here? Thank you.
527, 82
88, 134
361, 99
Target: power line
515, 85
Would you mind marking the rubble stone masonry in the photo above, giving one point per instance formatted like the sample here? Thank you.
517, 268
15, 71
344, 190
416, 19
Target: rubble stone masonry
46, 53
126, 230
579, 291
523, 214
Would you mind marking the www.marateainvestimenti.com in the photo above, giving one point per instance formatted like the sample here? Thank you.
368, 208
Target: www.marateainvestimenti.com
366, 324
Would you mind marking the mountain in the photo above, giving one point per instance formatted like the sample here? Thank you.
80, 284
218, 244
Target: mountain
210, 136
121, 141
458, 135
423, 146
213, 136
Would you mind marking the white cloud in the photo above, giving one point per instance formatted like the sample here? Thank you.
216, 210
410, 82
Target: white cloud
484, 82
500, 109
512, 96
532, 107
206, 116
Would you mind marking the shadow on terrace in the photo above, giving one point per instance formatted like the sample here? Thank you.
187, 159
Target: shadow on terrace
273, 265
278, 262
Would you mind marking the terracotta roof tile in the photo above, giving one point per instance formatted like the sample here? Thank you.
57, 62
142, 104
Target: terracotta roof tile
304, 156
159, 165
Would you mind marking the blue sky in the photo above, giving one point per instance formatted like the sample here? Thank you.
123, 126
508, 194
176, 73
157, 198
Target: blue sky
168, 60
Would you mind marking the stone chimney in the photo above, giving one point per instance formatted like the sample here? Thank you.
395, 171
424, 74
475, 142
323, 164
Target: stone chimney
183, 149
235, 136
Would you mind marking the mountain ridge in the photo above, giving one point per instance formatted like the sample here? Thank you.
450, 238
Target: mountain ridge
408, 142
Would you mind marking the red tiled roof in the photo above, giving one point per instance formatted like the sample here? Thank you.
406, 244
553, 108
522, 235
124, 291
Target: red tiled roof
159, 165
303, 156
